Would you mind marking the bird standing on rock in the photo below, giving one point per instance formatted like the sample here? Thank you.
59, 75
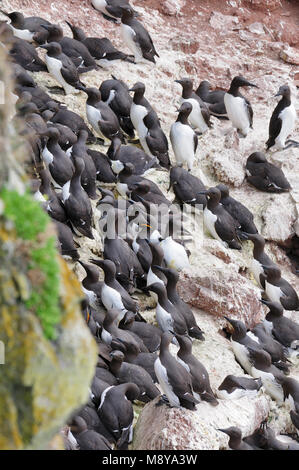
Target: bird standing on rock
76, 202
111, 9
218, 221
213, 99
183, 139
174, 379
75, 50
282, 121
28, 28
265, 176
101, 117
101, 49
199, 117
62, 68
238, 108
237, 210
136, 37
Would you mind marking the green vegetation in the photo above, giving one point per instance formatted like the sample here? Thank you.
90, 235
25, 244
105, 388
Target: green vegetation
44, 300
28, 217
30, 221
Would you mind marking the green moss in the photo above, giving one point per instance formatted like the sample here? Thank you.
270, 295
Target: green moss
44, 300
25, 212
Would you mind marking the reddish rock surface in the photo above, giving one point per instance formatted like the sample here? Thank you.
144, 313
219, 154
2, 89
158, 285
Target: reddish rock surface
223, 292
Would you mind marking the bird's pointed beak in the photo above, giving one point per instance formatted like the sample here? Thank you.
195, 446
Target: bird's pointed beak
46, 26
159, 268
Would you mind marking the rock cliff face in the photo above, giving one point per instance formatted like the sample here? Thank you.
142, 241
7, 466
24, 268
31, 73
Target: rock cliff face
215, 41
49, 355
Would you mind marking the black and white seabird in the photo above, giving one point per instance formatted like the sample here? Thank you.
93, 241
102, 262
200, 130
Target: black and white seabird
89, 175
141, 247
265, 176
168, 316
285, 330
103, 167
22, 52
122, 154
200, 377
116, 93
25, 28
279, 290
237, 210
67, 137
234, 387
199, 117
290, 388
265, 339
266, 439
92, 288
186, 187
136, 37
154, 273
72, 120
174, 379
61, 67
75, 50
88, 439
101, 49
282, 122
140, 108
214, 99
126, 372
53, 206
100, 116
117, 338
129, 271
116, 412
183, 139
60, 165
24, 82
260, 258
150, 334
156, 140
235, 439
76, 202
147, 192
67, 247
240, 342
220, 224
238, 108
172, 277
111, 9
271, 376
114, 296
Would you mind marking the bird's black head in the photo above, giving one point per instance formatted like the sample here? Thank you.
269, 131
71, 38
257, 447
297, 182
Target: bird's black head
185, 108
257, 157
240, 81
284, 91
53, 49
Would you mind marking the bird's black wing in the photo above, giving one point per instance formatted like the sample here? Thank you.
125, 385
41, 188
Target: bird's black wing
249, 111
143, 38
206, 115
195, 140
